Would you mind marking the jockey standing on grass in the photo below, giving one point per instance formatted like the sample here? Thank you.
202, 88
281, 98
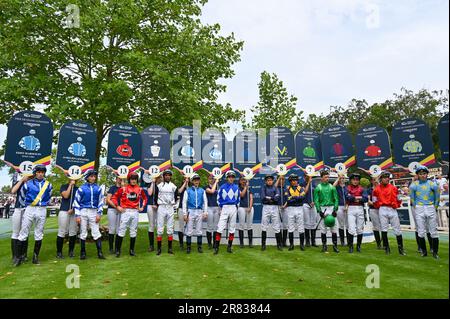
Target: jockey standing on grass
195, 210
128, 202
326, 202
386, 200
425, 197
228, 198
213, 210
88, 207
113, 214
36, 194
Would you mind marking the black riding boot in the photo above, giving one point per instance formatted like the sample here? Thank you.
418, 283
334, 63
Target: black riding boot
291, 241
188, 244
151, 241
13, 249
435, 248
199, 244
279, 241
324, 242
230, 243
307, 238
342, 236
423, 247
180, 239
334, 240
59, 247
313, 238
302, 241
170, 250
250, 238
376, 234
72, 240
419, 245
284, 237
387, 249
82, 249
37, 249
263, 240
159, 243
118, 245
25, 251
401, 251
350, 243
359, 239
98, 244
111, 243
209, 239
430, 242
18, 247
241, 239
132, 244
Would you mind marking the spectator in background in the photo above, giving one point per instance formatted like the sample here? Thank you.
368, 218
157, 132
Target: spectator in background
441, 181
444, 201
7, 207
1, 209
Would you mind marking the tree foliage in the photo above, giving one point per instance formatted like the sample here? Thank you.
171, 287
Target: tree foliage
276, 107
144, 62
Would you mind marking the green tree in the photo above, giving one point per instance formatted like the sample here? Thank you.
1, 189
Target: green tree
426, 105
276, 107
6, 189
143, 62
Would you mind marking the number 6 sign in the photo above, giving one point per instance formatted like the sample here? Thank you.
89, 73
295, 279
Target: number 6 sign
340, 168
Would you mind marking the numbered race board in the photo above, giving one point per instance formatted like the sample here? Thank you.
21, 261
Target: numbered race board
28, 140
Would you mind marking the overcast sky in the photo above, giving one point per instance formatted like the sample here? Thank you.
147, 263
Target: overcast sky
330, 51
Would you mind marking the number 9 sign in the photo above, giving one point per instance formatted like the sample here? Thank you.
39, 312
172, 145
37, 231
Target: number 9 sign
123, 171
75, 172
188, 171
248, 173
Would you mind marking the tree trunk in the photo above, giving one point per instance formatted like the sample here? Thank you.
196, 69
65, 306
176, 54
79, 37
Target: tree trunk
98, 145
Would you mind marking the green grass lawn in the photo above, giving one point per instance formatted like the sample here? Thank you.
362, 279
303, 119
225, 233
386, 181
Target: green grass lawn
247, 273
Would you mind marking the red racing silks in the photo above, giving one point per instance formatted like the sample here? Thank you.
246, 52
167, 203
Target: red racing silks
355, 191
130, 197
386, 195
